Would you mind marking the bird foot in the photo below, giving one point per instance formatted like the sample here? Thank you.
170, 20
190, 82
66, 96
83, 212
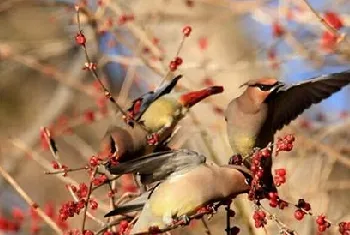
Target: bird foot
208, 209
153, 139
185, 220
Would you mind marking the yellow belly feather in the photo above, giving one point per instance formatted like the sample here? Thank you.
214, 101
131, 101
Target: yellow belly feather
160, 113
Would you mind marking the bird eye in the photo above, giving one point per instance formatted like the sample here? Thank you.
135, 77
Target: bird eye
264, 87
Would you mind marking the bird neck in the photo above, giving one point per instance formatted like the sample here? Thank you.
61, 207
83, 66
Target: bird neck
247, 103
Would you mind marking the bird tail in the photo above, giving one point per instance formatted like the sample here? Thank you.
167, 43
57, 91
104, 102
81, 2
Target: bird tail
193, 97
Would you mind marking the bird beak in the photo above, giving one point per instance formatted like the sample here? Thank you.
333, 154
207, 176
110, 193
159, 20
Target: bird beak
193, 97
244, 84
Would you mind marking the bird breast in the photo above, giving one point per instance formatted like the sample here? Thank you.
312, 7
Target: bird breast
184, 194
243, 127
161, 113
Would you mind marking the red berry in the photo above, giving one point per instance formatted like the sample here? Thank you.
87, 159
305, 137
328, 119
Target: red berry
273, 196
178, 61
55, 165
122, 19
256, 215
17, 214
328, 41
273, 203
203, 43
277, 30
123, 226
93, 204
94, 161
299, 215
322, 228
333, 19
320, 219
88, 232
49, 210
80, 39
262, 214
347, 226
290, 138
89, 116
173, 66
187, 31
280, 172
258, 224
265, 153
307, 206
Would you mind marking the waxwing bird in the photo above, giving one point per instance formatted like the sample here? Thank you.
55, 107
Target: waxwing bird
187, 182
127, 143
140, 104
267, 105
160, 111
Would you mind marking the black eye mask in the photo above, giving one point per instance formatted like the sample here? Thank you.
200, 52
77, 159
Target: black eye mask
263, 87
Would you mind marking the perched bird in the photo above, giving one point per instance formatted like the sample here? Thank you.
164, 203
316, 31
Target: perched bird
127, 143
267, 105
140, 104
158, 111
187, 183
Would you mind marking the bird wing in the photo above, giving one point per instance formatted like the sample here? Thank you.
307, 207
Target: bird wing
134, 205
150, 97
158, 166
289, 102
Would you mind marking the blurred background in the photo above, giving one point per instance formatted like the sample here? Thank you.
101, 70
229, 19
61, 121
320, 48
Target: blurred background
42, 83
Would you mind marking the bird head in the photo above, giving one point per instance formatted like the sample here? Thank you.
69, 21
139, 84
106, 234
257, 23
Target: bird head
258, 90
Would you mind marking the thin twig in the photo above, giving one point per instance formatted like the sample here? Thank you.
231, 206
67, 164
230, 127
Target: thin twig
166, 77
107, 93
228, 218
329, 27
88, 214
66, 170
29, 201
207, 229
87, 199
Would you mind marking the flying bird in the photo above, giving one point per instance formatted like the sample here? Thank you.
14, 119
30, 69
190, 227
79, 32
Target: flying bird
159, 111
267, 105
186, 183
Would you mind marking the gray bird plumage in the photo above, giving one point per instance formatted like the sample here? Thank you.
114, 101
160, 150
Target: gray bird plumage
158, 166
187, 183
266, 106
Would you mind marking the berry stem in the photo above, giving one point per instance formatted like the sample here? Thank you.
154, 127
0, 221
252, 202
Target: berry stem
66, 170
87, 199
167, 75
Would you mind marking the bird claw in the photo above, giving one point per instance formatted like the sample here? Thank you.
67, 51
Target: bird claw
185, 220
153, 139
208, 209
